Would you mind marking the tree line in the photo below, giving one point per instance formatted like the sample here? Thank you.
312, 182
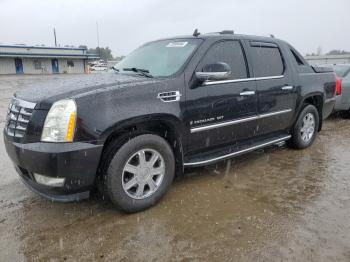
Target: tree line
105, 53
332, 52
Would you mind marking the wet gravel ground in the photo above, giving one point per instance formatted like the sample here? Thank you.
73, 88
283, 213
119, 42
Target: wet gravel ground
275, 204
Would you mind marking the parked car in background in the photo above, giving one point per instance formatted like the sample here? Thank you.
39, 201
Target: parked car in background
173, 103
343, 87
99, 68
99, 65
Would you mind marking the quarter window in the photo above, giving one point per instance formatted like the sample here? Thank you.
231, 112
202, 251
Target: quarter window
267, 61
37, 64
229, 52
70, 63
297, 58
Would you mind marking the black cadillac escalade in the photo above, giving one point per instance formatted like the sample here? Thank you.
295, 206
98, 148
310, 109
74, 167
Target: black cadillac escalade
173, 103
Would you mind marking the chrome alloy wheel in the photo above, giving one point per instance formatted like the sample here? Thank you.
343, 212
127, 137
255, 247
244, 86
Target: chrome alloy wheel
143, 173
308, 128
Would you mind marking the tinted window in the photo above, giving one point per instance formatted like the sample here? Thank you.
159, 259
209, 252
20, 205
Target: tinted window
267, 61
70, 63
229, 52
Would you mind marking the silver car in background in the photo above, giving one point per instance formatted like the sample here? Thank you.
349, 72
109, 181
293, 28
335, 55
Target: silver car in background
343, 73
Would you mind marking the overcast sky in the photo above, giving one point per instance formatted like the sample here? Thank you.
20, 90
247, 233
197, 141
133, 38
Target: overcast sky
124, 25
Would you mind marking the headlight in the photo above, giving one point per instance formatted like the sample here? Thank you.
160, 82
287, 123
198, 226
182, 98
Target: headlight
60, 122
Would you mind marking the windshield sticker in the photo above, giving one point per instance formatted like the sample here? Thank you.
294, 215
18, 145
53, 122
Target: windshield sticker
177, 44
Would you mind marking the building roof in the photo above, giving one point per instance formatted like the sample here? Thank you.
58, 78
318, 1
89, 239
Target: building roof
43, 47
320, 57
45, 52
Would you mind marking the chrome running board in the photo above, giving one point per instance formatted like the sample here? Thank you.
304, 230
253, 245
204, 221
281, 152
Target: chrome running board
240, 152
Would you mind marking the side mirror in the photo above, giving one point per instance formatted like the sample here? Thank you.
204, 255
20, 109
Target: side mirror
217, 71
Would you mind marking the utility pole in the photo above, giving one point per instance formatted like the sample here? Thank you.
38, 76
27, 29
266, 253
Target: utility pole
54, 33
98, 41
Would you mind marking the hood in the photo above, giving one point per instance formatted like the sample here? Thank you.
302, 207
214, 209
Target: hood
47, 92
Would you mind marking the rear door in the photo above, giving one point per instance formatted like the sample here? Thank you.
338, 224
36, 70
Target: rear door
276, 92
222, 112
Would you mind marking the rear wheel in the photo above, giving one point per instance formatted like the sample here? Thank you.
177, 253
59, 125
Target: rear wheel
140, 173
305, 129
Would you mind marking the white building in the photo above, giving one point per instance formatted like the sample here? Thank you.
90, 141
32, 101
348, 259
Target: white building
21, 59
328, 59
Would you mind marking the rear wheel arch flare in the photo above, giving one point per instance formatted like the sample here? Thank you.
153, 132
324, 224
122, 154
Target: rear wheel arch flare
316, 100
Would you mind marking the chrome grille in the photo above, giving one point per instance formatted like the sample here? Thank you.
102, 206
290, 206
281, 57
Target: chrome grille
18, 116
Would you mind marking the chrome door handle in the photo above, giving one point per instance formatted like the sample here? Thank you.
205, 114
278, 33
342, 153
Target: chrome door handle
247, 93
285, 88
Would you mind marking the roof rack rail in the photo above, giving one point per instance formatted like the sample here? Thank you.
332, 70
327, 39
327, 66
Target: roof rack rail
227, 32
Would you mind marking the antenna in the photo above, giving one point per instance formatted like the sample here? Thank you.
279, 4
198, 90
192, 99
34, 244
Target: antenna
196, 33
272, 36
54, 33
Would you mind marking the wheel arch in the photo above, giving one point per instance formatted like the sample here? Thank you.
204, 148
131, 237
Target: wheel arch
166, 126
316, 99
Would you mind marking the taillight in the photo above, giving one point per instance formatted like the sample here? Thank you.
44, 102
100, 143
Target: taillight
338, 86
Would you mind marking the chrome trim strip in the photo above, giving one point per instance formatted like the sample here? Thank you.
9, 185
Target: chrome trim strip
234, 122
239, 121
275, 113
209, 83
247, 93
215, 76
287, 88
238, 152
269, 77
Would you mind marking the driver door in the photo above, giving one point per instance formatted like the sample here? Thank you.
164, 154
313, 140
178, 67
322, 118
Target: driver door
222, 112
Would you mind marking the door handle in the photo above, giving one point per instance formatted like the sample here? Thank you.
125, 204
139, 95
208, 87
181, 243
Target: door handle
285, 88
247, 93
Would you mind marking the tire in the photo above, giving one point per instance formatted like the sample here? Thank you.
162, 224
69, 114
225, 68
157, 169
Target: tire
130, 171
304, 137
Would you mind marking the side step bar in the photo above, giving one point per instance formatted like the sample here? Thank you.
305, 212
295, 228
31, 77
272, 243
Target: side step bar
237, 153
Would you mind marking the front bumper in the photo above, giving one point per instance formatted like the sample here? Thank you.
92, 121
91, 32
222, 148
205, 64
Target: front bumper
76, 162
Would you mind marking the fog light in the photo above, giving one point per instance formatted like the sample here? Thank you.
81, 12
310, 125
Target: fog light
49, 181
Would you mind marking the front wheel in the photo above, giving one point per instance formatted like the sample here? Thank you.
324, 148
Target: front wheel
305, 129
140, 173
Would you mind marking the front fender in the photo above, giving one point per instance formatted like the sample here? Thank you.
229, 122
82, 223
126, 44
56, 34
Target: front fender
144, 121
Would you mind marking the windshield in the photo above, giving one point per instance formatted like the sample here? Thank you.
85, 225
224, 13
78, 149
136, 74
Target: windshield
161, 58
342, 70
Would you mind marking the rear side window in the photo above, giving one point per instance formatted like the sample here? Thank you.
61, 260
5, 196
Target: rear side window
267, 60
297, 58
229, 52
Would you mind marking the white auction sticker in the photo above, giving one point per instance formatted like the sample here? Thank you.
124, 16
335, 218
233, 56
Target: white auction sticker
177, 44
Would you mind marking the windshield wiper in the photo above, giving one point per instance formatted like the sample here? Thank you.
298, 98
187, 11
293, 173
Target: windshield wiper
141, 71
